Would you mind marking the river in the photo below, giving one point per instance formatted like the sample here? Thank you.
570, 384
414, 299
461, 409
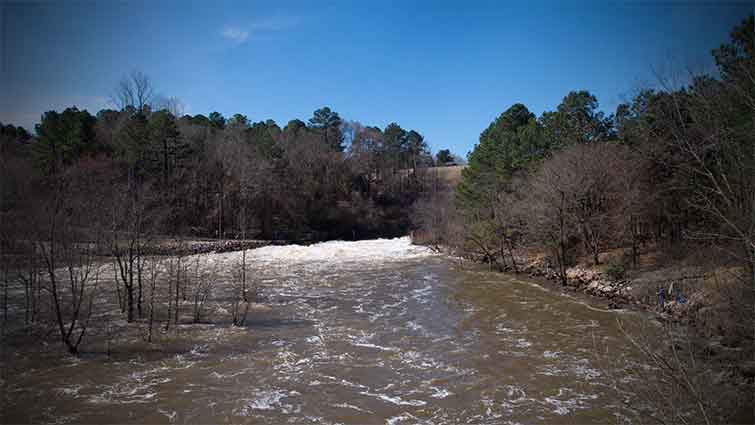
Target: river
356, 333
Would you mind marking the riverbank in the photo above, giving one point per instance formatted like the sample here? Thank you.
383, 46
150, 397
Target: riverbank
637, 288
704, 301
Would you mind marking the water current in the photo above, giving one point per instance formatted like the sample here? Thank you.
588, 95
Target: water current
365, 332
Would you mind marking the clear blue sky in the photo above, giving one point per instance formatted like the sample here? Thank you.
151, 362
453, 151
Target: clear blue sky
445, 69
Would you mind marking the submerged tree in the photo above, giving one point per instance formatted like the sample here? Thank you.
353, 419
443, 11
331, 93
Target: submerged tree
70, 233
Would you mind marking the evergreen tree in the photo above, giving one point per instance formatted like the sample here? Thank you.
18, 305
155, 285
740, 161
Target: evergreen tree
63, 138
495, 158
328, 124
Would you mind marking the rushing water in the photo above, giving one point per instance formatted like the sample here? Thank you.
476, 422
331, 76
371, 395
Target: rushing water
356, 332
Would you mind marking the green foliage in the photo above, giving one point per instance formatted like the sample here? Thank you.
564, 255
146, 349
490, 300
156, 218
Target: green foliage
200, 120
394, 136
614, 271
576, 120
325, 118
402, 149
394, 143
443, 157
736, 60
509, 144
238, 121
167, 146
417, 151
132, 143
327, 123
645, 118
11, 133
293, 129
217, 120
262, 136
63, 138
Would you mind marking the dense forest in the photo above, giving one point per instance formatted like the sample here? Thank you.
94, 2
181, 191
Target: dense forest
153, 171
675, 166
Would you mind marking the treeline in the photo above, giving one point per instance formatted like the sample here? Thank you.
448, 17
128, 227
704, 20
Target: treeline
208, 176
674, 169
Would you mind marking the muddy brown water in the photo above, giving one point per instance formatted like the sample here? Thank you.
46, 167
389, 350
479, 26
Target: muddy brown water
357, 333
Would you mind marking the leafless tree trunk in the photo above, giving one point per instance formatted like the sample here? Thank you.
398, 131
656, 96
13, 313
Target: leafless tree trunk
73, 276
128, 237
171, 272
241, 295
203, 283
718, 160
154, 272
107, 335
29, 278
549, 210
561, 255
179, 285
139, 266
175, 269
117, 280
5, 295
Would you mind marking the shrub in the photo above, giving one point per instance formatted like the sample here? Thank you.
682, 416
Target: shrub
614, 271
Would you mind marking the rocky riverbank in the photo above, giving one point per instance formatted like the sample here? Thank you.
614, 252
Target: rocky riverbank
619, 292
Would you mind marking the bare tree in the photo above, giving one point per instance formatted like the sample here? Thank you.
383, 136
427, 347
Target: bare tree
177, 272
154, 266
242, 295
171, 104
722, 162
4, 272
134, 91
432, 215
203, 283
69, 252
128, 236
172, 270
680, 384
591, 184
634, 197
551, 220
509, 214
29, 276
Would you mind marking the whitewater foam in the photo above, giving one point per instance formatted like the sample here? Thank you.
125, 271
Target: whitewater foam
368, 251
